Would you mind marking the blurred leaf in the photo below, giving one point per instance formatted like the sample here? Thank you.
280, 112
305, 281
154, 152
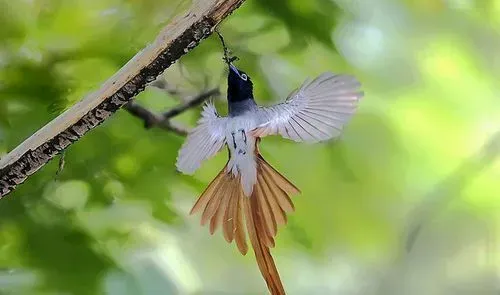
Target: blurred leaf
119, 209
304, 19
69, 195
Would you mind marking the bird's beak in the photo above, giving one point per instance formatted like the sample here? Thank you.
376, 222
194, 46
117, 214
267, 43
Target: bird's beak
234, 69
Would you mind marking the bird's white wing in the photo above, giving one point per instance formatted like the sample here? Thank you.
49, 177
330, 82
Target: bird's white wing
203, 142
316, 111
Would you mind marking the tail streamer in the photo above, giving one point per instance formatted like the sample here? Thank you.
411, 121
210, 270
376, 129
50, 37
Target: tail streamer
224, 205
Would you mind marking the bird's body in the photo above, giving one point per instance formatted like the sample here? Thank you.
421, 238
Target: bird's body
248, 190
241, 145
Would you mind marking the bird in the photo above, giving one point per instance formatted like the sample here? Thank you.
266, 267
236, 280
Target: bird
249, 196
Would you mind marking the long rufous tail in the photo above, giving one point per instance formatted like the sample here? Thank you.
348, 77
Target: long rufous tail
224, 204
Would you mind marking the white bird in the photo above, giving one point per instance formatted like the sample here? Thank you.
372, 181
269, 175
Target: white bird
248, 188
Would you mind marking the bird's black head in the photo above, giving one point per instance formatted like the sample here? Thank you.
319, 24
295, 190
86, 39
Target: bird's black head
239, 85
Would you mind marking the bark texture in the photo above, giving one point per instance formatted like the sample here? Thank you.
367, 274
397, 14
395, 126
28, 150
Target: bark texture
178, 38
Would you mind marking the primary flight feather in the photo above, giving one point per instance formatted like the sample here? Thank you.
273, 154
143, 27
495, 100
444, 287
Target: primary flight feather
248, 191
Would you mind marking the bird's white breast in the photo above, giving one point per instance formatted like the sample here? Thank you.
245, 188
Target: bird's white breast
242, 149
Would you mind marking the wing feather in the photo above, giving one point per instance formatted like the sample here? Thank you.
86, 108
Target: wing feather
203, 142
317, 111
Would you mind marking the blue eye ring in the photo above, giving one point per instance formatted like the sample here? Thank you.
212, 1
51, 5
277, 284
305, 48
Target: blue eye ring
244, 77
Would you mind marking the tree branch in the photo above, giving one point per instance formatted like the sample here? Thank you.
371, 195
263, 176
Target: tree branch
179, 37
151, 119
191, 102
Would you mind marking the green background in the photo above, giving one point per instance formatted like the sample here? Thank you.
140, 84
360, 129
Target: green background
421, 150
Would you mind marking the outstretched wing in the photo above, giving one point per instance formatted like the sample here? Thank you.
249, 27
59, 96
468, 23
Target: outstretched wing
203, 142
317, 111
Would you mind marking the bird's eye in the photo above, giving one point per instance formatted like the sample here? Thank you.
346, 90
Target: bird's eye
244, 77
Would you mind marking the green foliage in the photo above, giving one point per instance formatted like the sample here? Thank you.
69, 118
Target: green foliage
115, 221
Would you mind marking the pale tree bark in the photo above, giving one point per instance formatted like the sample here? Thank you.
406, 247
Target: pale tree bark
176, 39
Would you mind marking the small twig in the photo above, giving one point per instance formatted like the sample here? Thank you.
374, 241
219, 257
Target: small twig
175, 127
163, 85
194, 101
227, 59
152, 119
60, 167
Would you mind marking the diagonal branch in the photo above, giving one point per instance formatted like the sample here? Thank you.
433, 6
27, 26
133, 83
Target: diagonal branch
192, 102
179, 37
152, 119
